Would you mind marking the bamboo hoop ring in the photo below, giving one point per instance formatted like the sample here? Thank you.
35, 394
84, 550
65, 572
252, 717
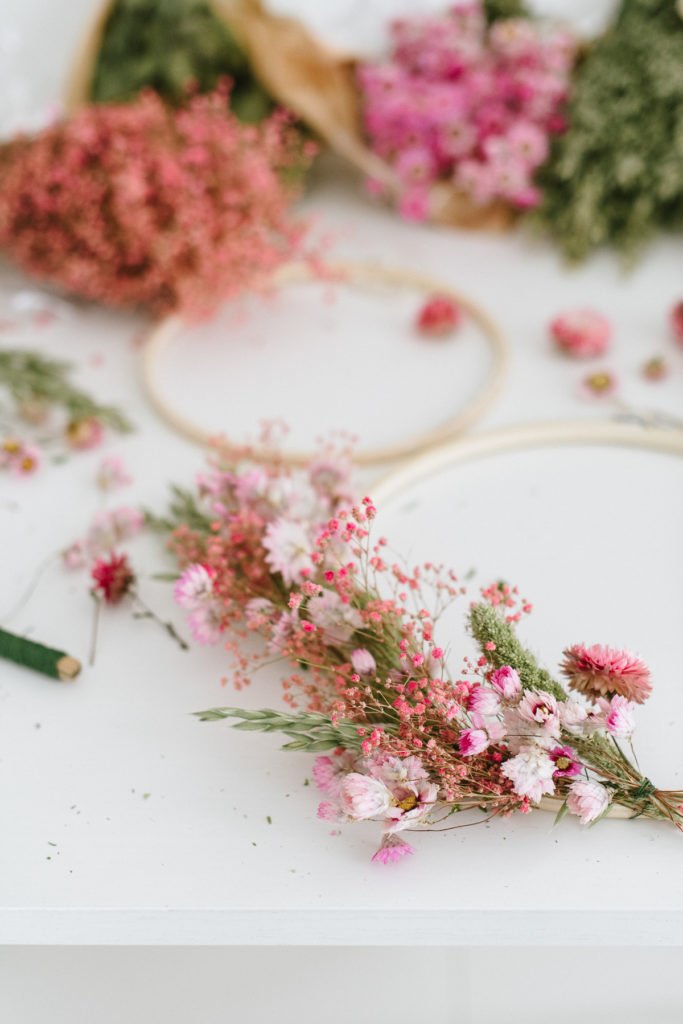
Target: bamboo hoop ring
157, 340
543, 434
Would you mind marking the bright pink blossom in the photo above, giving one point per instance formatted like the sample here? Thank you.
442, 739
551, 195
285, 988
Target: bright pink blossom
581, 333
393, 848
506, 681
473, 742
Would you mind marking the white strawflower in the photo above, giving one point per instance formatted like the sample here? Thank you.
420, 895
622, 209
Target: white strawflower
531, 773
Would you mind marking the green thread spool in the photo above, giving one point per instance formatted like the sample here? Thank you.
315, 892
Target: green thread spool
47, 660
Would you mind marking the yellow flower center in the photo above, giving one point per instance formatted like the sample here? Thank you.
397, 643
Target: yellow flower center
408, 802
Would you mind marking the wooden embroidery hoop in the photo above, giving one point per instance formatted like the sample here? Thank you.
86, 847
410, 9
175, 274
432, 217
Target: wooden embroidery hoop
357, 274
562, 432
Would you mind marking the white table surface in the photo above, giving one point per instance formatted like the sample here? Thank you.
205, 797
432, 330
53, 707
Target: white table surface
159, 823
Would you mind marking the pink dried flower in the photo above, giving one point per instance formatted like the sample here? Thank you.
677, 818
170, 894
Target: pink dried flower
531, 772
393, 848
205, 623
506, 681
113, 578
600, 671
194, 588
676, 320
582, 333
362, 797
411, 802
19, 457
288, 548
140, 204
588, 800
337, 619
112, 474
110, 527
473, 742
655, 368
618, 713
74, 557
566, 762
540, 709
85, 433
363, 662
483, 701
438, 317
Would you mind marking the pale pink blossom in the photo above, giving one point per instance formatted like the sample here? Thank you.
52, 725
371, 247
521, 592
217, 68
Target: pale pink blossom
194, 587
588, 800
411, 803
205, 623
473, 742
392, 770
541, 709
362, 797
582, 333
258, 612
573, 715
363, 662
288, 547
618, 714
112, 474
483, 701
531, 773
109, 528
328, 811
336, 618
328, 772
506, 681
75, 556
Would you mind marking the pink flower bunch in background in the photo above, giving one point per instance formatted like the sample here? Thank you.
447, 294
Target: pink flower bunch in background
473, 105
286, 556
581, 333
143, 205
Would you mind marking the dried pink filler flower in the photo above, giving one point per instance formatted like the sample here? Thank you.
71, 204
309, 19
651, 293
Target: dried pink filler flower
141, 205
438, 317
676, 319
605, 671
393, 848
582, 333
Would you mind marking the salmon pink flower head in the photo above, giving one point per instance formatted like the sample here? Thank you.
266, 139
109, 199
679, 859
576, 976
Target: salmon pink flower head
438, 317
506, 681
113, 578
588, 800
583, 333
599, 671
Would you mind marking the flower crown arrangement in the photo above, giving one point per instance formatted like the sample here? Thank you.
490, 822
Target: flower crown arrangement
468, 103
143, 205
41, 393
400, 739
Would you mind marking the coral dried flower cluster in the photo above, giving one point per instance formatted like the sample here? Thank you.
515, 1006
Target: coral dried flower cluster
402, 739
143, 205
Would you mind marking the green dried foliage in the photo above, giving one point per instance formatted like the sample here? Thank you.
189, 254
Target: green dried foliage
616, 176
166, 45
496, 9
33, 377
488, 626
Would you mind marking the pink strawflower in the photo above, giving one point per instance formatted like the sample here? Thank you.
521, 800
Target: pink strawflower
112, 474
531, 772
113, 578
328, 811
288, 548
483, 701
363, 662
194, 588
438, 317
676, 320
411, 802
567, 765
20, 458
205, 624
618, 712
541, 709
362, 797
85, 433
599, 671
396, 770
588, 800
506, 681
473, 742
393, 848
335, 617
582, 333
